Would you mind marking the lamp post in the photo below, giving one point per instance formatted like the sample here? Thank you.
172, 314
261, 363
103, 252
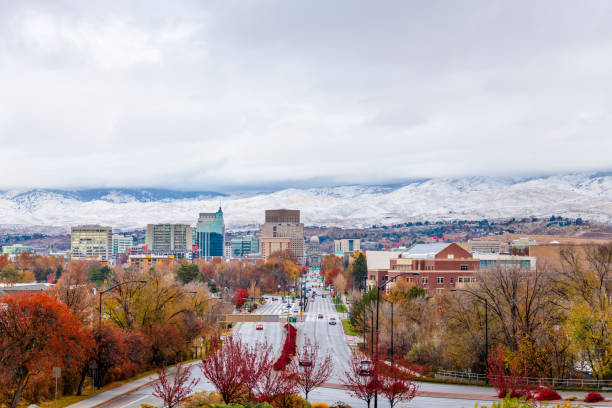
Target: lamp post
378, 289
486, 303
392, 351
111, 288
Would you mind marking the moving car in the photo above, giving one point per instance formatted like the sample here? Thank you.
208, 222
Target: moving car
320, 315
259, 327
332, 320
365, 367
305, 360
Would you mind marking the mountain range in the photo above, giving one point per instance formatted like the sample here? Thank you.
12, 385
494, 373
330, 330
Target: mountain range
588, 196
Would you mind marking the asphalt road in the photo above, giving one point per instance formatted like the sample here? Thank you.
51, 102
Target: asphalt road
330, 338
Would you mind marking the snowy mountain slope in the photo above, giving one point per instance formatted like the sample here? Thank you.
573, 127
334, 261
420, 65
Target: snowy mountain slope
576, 195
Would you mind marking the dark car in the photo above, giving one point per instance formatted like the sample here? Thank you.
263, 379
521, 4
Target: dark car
320, 315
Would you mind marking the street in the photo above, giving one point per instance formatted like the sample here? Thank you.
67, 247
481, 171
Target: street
330, 338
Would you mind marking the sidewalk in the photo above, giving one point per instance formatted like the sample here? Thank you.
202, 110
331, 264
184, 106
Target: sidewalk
108, 396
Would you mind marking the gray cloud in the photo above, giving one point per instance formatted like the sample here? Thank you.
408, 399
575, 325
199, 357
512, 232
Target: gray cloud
205, 95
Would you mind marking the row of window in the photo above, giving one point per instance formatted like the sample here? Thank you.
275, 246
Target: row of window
439, 279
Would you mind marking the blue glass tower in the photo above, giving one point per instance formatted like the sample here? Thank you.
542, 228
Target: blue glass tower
210, 234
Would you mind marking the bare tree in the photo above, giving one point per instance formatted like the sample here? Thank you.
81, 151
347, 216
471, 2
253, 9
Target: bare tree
176, 390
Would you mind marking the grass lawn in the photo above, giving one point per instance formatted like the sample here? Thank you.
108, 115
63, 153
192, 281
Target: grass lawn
348, 328
340, 307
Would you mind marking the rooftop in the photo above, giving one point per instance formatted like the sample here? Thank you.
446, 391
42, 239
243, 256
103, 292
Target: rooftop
420, 251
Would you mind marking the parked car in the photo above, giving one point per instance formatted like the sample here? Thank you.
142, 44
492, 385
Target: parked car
259, 327
365, 367
274, 299
332, 320
320, 315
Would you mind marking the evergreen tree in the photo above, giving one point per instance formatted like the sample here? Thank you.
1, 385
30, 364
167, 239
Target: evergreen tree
360, 270
187, 272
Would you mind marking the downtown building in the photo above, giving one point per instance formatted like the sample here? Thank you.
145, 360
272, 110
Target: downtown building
93, 242
121, 243
210, 235
169, 239
282, 230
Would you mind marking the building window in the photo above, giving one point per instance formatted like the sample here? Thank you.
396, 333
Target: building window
440, 280
424, 281
371, 277
464, 267
409, 279
439, 290
452, 280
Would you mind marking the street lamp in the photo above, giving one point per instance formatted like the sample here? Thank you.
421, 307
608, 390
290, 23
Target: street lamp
111, 288
378, 289
392, 352
486, 302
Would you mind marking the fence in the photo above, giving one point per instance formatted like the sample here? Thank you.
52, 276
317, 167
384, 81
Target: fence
551, 382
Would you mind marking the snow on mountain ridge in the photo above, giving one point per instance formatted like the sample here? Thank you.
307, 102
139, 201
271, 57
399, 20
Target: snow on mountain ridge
575, 195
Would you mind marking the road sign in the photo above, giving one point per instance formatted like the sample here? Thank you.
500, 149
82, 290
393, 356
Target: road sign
57, 372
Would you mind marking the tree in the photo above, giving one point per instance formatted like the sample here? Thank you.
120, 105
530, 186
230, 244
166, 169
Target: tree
363, 387
110, 350
240, 297
75, 291
176, 390
511, 381
339, 285
228, 369
360, 270
274, 384
38, 332
397, 386
309, 377
187, 273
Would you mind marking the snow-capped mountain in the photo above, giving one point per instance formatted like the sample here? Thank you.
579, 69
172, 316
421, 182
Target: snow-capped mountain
575, 195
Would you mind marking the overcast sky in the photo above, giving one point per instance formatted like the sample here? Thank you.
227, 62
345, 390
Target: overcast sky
192, 94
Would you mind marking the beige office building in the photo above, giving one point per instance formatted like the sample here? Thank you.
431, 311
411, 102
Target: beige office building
282, 224
347, 245
484, 246
169, 238
268, 246
91, 242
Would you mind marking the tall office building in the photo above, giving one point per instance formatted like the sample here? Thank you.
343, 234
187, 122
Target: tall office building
121, 243
210, 235
283, 224
169, 238
242, 246
91, 241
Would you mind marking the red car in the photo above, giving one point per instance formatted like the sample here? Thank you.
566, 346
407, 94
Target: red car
320, 315
365, 367
259, 327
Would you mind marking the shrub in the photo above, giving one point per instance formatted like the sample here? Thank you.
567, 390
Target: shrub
341, 404
147, 406
547, 394
593, 397
289, 348
571, 398
202, 399
288, 401
320, 405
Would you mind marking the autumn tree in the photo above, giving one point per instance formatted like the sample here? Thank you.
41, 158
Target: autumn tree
228, 370
396, 385
74, 289
174, 389
37, 332
314, 375
110, 350
339, 283
362, 387
240, 297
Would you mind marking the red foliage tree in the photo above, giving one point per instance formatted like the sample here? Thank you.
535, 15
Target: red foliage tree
511, 381
360, 386
289, 348
37, 332
397, 386
174, 389
331, 275
166, 343
274, 384
593, 397
233, 367
110, 349
239, 297
309, 377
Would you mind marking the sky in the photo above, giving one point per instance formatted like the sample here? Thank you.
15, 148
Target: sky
206, 95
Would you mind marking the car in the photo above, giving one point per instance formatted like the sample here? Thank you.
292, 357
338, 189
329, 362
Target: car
365, 367
320, 315
296, 311
274, 299
322, 295
259, 327
305, 360
332, 320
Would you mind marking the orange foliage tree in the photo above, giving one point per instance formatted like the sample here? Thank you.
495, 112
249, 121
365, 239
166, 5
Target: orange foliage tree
37, 333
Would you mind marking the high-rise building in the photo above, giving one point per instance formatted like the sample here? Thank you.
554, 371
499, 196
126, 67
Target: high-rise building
169, 238
484, 246
283, 224
347, 245
242, 246
121, 243
210, 233
91, 241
